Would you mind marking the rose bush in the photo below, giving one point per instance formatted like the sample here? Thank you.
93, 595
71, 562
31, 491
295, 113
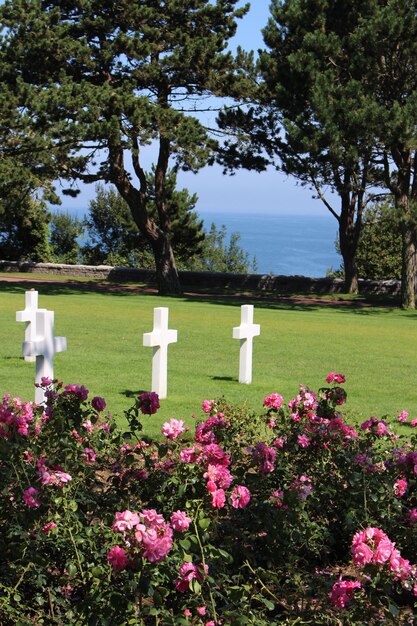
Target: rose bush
291, 516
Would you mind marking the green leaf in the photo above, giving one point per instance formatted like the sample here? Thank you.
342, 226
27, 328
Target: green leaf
185, 544
71, 569
269, 605
195, 586
204, 523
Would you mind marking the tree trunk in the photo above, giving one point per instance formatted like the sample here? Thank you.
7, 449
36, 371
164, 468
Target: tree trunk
159, 238
351, 274
166, 270
348, 240
408, 275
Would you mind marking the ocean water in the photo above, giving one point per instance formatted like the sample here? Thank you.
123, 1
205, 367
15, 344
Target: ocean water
287, 245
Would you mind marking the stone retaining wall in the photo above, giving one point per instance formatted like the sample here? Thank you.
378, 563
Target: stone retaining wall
212, 280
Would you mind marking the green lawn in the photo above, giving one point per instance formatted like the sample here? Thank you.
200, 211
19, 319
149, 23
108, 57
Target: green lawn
375, 347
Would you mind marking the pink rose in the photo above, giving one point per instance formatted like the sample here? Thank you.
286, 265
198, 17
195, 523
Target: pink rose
332, 377
400, 487
125, 521
218, 499
89, 426
157, 543
342, 592
189, 571
207, 406
180, 521
46, 528
361, 554
403, 416
189, 455
240, 497
89, 456
383, 551
303, 441
381, 429
173, 428
30, 498
273, 401
117, 558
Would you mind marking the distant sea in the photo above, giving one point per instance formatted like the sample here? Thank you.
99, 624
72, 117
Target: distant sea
287, 245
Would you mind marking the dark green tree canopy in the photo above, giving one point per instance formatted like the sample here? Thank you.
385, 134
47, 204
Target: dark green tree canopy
24, 231
65, 231
336, 105
379, 249
99, 80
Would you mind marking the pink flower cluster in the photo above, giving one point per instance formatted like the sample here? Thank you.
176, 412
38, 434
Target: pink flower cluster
89, 456
31, 499
273, 401
51, 475
15, 417
373, 546
173, 428
303, 405
376, 426
276, 498
403, 416
206, 432
55, 477
77, 390
189, 572
208, 406
400, 487
217, 474
240, 497
215, 461
332, 377
146, 534
342, 592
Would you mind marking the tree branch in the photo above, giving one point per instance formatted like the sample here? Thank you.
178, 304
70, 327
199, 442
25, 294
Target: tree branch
136, 163
322, 198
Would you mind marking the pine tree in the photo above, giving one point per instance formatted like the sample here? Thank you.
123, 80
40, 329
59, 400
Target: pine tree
337, 109
100, 80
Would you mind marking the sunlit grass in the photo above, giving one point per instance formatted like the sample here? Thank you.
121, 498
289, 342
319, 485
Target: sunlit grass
299, 343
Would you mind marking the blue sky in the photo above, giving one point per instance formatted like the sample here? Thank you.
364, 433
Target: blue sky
244, 192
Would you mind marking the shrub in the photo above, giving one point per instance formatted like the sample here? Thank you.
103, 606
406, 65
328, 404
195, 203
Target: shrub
286, 517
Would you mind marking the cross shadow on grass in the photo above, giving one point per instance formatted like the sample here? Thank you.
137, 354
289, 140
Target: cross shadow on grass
225, 378
129, 393
367, 304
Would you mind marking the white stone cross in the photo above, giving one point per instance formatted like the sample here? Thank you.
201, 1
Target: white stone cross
43, 347
246, 332
159, 339
28, 315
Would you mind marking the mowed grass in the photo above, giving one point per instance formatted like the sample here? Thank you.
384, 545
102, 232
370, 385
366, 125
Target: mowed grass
375, 347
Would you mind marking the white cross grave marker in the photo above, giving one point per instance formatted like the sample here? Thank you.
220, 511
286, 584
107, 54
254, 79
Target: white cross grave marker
159, 339
28, 315
246, 332
43, 347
